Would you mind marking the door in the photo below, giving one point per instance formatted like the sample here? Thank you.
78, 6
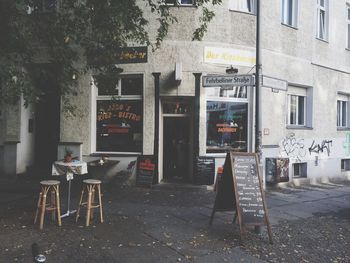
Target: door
176, 149
47, 119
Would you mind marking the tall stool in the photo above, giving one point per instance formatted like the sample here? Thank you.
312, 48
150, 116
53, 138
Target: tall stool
53, 205
90, 185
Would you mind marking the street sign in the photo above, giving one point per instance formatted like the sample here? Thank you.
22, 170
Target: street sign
276, 84
227, 80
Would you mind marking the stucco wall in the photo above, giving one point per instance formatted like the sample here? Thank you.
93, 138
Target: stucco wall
291, 54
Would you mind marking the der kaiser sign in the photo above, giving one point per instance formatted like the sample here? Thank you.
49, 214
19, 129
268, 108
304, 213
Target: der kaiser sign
228, 80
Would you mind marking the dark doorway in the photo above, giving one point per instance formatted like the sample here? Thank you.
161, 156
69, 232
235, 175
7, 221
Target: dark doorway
47, 118
176, 149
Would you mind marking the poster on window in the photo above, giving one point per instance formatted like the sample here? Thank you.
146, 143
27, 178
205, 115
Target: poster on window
119, 126
226, 126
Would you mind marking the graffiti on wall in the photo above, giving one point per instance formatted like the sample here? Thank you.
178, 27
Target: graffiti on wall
317, 148
346, 144
292, 147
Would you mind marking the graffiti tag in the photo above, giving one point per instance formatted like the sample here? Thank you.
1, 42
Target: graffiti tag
320, 148
292, 147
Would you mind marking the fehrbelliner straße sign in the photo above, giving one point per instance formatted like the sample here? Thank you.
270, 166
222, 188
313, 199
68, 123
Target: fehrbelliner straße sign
227, 80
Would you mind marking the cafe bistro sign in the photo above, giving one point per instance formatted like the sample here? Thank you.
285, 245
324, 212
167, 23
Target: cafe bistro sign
228, 80
124, 55
131, 55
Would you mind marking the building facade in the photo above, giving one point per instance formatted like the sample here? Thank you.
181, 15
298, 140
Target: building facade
159, 105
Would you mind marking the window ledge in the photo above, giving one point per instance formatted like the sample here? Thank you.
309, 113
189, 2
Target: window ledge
290, 26
343, 128
242, 12
295, 127
105, 154
180, 5
322, 40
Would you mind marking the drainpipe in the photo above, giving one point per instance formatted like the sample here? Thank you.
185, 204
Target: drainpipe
257, 84
258, 66
156, 76
196, 111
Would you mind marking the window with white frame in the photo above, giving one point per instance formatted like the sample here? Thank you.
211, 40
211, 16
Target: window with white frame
290, 12
297, 110
227, 119
248, 6
348, 26
342, 111
322, 19
299, 106
119, 113
179, 2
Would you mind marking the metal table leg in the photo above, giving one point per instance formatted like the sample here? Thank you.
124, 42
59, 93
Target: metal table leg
69, 212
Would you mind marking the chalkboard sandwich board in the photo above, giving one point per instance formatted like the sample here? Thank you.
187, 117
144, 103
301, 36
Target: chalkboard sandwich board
240, 190
145, 171
204, 170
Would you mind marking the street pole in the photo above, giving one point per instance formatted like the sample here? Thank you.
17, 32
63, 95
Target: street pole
257, 95
257, 84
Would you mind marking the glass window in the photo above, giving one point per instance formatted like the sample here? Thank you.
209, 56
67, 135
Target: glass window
186, 2
248, 6
345, 164
290, 12
322, 19
300, 170
116, 85
232, 92
297, 111
119, 120
341, 113
226, 126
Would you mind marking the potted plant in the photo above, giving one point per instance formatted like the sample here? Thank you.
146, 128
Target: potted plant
68, 155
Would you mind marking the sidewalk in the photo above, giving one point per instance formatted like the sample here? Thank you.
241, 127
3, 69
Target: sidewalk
169, 223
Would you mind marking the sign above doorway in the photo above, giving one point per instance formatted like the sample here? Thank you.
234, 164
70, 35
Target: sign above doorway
229, 56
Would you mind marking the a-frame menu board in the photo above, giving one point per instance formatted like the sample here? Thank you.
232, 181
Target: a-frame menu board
240, 190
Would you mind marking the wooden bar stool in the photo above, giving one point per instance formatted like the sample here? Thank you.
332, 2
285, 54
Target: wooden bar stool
53, 205
90, 185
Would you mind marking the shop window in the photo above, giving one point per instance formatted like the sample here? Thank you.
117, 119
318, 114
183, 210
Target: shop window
226, 126
232, 92
345, 164
300, 170
119, 118
290, 12
248, 6
322, 19
227, 119
179, 106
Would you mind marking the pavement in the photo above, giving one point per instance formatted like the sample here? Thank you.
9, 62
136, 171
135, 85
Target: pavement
170, 223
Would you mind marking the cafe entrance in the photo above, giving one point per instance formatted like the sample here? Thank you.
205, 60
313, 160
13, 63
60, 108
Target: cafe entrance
176, 141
